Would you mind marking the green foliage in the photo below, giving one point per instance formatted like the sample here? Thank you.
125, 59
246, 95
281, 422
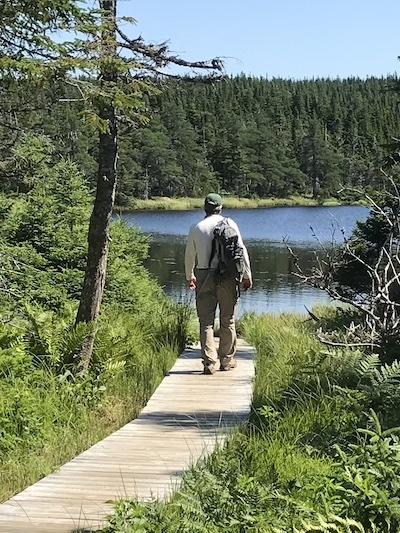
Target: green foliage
44, 244
42, 404
30, 52
367, 483
14, 359
249, 137
302, 464
128, 282
53, 215
53, 340
246, 136
366, 241
254, 137
48, 413
43, 240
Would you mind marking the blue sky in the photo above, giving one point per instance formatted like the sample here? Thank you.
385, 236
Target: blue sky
287, 38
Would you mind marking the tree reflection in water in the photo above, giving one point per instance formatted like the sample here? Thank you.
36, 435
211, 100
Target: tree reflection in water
275, 289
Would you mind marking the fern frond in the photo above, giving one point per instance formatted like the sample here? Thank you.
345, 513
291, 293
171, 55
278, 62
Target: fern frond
332, 523
386, 374
71, 342
367, 366
114, 367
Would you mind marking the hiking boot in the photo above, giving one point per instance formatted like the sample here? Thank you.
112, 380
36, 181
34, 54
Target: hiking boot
209, 369
229, 364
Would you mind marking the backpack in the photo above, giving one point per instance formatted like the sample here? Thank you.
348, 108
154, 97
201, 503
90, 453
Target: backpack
227, 255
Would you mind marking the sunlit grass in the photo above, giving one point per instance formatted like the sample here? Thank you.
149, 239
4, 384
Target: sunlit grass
47, 420
230, 202
273, 473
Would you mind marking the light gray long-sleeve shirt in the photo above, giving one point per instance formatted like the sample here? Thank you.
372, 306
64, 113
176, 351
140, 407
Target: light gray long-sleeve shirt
199, 245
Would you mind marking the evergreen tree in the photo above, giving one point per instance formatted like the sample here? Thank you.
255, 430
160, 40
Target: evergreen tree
320, 162
246, 136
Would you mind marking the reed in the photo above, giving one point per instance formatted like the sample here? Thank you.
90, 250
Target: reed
301, 464
49, 416
230, 202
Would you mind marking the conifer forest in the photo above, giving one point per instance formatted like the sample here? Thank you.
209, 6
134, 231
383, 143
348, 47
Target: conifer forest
95, 126
244, 136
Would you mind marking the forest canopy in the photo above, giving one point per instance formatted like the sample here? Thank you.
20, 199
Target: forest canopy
246, 136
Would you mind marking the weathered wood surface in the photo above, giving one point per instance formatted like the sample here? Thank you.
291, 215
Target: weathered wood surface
184, 419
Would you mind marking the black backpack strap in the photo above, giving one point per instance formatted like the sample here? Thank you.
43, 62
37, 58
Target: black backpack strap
214, 244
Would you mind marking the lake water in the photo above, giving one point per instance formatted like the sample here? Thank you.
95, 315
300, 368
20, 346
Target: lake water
275, 288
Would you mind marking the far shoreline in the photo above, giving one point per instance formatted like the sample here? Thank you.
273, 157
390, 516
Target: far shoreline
232, 202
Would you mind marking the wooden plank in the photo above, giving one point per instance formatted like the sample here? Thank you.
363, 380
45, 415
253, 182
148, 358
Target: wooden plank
187, 416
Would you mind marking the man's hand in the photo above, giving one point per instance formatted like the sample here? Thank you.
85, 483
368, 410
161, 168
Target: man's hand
247, 284
191, 283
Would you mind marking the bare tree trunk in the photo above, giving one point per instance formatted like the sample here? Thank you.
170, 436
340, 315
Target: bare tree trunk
146, 186
99, 226
316, 187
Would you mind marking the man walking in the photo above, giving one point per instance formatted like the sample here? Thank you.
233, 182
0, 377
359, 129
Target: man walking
215, 286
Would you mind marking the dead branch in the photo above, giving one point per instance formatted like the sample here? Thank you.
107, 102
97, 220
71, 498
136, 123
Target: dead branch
379, 306
324, 340
160, 56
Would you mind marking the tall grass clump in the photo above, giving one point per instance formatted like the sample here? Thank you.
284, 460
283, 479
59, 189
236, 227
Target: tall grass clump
317, 454
49, 412
230, 202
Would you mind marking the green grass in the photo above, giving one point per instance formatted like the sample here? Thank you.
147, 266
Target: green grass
281, 473
69, 425
48, 417
230, 202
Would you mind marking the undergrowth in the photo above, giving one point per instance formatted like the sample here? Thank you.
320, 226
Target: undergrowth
48, 414
48, 411
318, 454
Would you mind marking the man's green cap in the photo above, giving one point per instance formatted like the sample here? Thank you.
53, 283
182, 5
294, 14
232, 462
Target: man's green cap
213, 200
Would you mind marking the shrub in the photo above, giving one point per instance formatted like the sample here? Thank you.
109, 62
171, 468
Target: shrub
302, 464
48, 414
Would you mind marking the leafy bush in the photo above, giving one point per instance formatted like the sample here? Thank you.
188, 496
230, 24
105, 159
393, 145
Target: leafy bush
48, 414
302, 464
366, 480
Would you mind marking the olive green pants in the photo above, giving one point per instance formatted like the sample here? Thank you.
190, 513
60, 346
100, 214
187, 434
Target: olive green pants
211, 292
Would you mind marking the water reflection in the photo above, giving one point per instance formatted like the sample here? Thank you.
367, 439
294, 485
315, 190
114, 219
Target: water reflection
275, 289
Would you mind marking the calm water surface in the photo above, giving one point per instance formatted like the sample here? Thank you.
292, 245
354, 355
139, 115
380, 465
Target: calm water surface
275, 288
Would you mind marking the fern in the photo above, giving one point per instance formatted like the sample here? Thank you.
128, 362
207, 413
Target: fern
41, 339
367, 366
332, 523
386, 374
71, 342
112, 368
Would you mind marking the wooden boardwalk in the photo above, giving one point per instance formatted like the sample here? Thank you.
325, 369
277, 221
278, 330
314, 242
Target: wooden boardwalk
184, 419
